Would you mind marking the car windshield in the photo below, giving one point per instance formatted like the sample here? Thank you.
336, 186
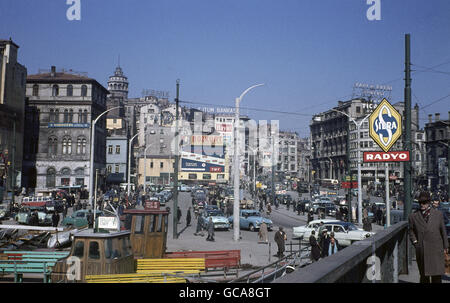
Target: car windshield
215, 213
253, 214
350, 227
79, 215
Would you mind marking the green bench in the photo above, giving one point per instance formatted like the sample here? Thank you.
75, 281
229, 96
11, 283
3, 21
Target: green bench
21, 262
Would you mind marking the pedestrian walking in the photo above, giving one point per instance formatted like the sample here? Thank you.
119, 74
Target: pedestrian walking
64, 212
263, 233
367, 225
199, 228
280, 238
428, 235
188, 217
178, 214
269, 209
315, 248
310, 216
210, 229
55, 219
90, 219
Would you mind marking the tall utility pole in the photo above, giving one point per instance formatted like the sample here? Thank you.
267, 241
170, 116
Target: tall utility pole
407, 144
177, 159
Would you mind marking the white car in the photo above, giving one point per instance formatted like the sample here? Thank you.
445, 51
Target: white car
345, 232
305, 231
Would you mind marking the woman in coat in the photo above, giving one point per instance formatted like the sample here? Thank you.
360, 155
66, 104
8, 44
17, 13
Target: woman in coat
428, 235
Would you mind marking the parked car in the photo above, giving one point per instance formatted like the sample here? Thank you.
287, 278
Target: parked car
79, 218
305, 231
218, 218
185, 188
24, 216
345, 232
251, 220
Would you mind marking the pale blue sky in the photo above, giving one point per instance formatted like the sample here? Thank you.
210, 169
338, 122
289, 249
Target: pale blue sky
308, 52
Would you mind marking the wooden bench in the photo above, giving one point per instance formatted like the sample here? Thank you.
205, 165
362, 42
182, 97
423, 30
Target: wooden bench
179, 265
20, 262
134, 278
225, 259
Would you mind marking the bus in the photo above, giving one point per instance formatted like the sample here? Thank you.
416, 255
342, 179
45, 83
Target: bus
329, 183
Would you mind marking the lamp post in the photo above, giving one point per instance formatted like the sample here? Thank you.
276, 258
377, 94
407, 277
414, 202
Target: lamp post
358, 127
236, 226
129, 163
254, 151
145, 168
91, 175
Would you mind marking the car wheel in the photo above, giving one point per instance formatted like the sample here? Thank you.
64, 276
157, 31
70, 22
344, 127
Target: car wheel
251, 227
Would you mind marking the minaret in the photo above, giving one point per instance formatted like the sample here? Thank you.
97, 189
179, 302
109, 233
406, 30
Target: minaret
118, 84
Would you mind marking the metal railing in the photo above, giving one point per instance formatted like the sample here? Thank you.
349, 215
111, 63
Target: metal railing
380, 258
274, 270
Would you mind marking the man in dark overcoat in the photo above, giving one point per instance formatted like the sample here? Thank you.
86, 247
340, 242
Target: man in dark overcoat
280, 238
428, 235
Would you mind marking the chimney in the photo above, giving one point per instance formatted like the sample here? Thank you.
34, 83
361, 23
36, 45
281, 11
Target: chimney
53, 72
436, 115
430, 118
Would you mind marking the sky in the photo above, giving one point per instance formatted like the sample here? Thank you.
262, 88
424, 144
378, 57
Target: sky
308, 53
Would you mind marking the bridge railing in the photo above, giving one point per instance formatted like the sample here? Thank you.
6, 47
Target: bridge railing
381, 258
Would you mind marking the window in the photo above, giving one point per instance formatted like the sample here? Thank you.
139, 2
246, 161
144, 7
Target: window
109, 168
56, 115
83, 146
71, 116
83, 91
66, 116
35, 90
151, 164
80, 116
108, 249
117, 168
152, 223
206, 176
79, 249
110, 149
117, 149
85, 116
192, 176
358, 109
94, 250
161, 164
160, 223
139, 225
67, 146
51, 116
338, 229
51, 177
52, 146
65, 171
69, 90
126, 246
55, 90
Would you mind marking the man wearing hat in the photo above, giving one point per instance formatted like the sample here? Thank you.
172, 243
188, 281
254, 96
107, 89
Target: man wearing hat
428, 235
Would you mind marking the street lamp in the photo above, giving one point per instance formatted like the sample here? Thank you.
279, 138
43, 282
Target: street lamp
91, 175
254, 151
129, 161
236, 226
358, 127
145, 167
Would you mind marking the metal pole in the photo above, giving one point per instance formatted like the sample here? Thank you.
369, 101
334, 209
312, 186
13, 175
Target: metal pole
95, 195
388, 203
358, 127
129, 163
236, 227
407, 143
91, 164
177, 161
254, 173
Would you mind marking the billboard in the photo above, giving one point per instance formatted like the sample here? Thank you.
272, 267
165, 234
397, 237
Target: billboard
203, 153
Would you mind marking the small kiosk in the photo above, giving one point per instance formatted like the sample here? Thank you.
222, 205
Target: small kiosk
98, 253
148, 228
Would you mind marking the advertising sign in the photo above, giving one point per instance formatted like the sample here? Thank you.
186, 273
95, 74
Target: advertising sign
385, 125
108, 222
386, 157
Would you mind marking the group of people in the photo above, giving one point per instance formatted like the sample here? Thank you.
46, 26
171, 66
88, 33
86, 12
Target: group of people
323, 246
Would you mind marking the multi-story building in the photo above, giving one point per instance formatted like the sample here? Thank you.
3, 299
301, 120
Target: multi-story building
12, 115
288, 158
438, 146
67, 103
329, 142
116, 151
303, 158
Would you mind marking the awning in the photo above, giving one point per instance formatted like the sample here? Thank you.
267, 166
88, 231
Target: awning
115, 178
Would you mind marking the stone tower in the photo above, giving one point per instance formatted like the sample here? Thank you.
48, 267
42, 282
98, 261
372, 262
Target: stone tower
118, 84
